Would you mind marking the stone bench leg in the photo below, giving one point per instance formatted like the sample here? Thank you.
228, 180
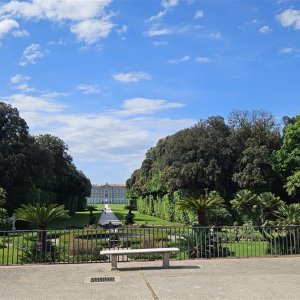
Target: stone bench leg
114, 261
166, 260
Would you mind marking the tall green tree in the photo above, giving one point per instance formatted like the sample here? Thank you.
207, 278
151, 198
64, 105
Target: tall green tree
70, 184
4, 221
213, 155
15, 175
255, 135
286, 160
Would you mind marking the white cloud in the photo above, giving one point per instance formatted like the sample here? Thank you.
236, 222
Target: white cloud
55, 10
20, 82
146, 106
87, 19
122, 30
89, 136
202, 60
290, 17
20, 33
89, 89
54, 94
289, 50
179, 60
7, 26
90, 31
215, 35
132, 77
31, 54
160, 43
167, 5
158, 16
158, 32
32, 103
199, 14
265, 29
60, 42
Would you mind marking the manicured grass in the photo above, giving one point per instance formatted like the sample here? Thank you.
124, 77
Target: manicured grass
81, 219
248, 248
121, 212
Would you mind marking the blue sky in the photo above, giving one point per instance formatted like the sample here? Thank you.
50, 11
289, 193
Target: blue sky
112, 77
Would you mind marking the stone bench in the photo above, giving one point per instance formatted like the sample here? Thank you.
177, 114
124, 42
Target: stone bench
115, 253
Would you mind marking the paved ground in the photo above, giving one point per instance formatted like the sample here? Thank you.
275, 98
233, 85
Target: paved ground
259, 278
108, 216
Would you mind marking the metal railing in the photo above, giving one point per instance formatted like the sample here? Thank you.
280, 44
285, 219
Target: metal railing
84, 245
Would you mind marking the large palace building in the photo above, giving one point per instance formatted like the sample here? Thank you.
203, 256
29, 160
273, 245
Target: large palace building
107, 193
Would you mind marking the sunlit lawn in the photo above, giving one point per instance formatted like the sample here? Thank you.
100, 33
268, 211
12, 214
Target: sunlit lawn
81, 219
248, 248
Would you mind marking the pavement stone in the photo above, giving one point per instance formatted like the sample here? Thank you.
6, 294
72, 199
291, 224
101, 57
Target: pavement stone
252, 278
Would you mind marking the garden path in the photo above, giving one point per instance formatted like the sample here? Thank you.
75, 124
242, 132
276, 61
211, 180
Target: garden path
108, 216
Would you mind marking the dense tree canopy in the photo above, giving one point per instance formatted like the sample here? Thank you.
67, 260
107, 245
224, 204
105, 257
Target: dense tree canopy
246, 153
286, 161
37, 169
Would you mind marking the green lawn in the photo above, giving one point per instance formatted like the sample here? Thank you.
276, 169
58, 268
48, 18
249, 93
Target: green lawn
248, 248
81, 219
140, 218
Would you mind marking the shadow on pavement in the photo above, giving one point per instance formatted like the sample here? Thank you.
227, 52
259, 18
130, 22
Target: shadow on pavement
158, 268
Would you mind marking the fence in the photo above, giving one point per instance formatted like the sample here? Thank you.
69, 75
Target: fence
83, 246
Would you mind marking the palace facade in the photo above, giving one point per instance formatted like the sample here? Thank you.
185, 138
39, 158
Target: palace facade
107, 193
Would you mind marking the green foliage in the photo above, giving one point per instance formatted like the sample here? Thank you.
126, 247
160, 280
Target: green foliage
129, 217
4, 220
286, 161
292, 185
131, 197
2, 197
37, 169
92, 218
255, 209
205, 243
268, 203
91, 208
255, 135
34, 254
219, 217
244, 203
288, 214
211, 155
201, 205
41, 215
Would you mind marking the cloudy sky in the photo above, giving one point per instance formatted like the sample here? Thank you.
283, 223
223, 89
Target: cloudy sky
112, 77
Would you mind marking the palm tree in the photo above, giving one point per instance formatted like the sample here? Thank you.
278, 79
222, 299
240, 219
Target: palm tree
41, 215
268, 203
201, 205
91, 209
245, 203
288, 214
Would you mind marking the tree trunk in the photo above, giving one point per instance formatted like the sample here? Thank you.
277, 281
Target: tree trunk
202, 219
42, 242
